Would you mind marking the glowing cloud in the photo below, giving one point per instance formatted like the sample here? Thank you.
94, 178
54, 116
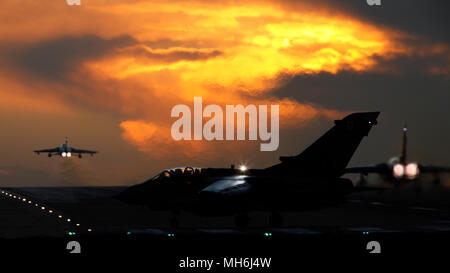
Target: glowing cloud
241, 52
167, 52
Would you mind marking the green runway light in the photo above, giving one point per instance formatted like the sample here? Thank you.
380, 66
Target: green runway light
170, 235
128, 233
267, 234
71, 233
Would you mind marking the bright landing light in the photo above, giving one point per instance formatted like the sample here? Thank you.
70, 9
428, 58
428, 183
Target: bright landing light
63, 154
412, 170
243, 168
398, 171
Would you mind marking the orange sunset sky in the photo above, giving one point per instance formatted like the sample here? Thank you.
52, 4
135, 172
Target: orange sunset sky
106, 74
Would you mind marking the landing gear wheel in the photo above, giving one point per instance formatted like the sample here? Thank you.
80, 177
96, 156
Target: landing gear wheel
241, 221
275, 220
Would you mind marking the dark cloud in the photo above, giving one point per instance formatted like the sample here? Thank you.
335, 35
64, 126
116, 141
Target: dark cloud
54, 59
390, 84
168, 43
427, 19
174, 55
401, 89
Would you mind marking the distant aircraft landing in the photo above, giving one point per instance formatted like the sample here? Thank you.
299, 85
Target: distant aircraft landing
65, 151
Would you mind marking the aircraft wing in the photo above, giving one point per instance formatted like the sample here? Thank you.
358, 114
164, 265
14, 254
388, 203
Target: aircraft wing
379, 168
79, 151
227, 187
54, 150
433, 169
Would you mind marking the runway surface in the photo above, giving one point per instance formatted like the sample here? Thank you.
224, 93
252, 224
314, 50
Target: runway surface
56, 215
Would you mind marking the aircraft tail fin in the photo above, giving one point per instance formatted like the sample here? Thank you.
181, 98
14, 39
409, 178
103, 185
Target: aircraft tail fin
329, 155
404, 144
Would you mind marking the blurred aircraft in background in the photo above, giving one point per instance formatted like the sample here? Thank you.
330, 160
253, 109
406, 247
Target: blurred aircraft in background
65, 151
398, 170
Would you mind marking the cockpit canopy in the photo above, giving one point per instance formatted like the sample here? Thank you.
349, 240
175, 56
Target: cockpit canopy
177, 172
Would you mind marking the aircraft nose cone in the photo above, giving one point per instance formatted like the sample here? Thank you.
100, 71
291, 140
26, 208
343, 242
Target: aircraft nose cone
133, 195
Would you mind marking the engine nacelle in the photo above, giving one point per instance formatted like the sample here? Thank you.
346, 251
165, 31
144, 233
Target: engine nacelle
80, 156
49, 155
